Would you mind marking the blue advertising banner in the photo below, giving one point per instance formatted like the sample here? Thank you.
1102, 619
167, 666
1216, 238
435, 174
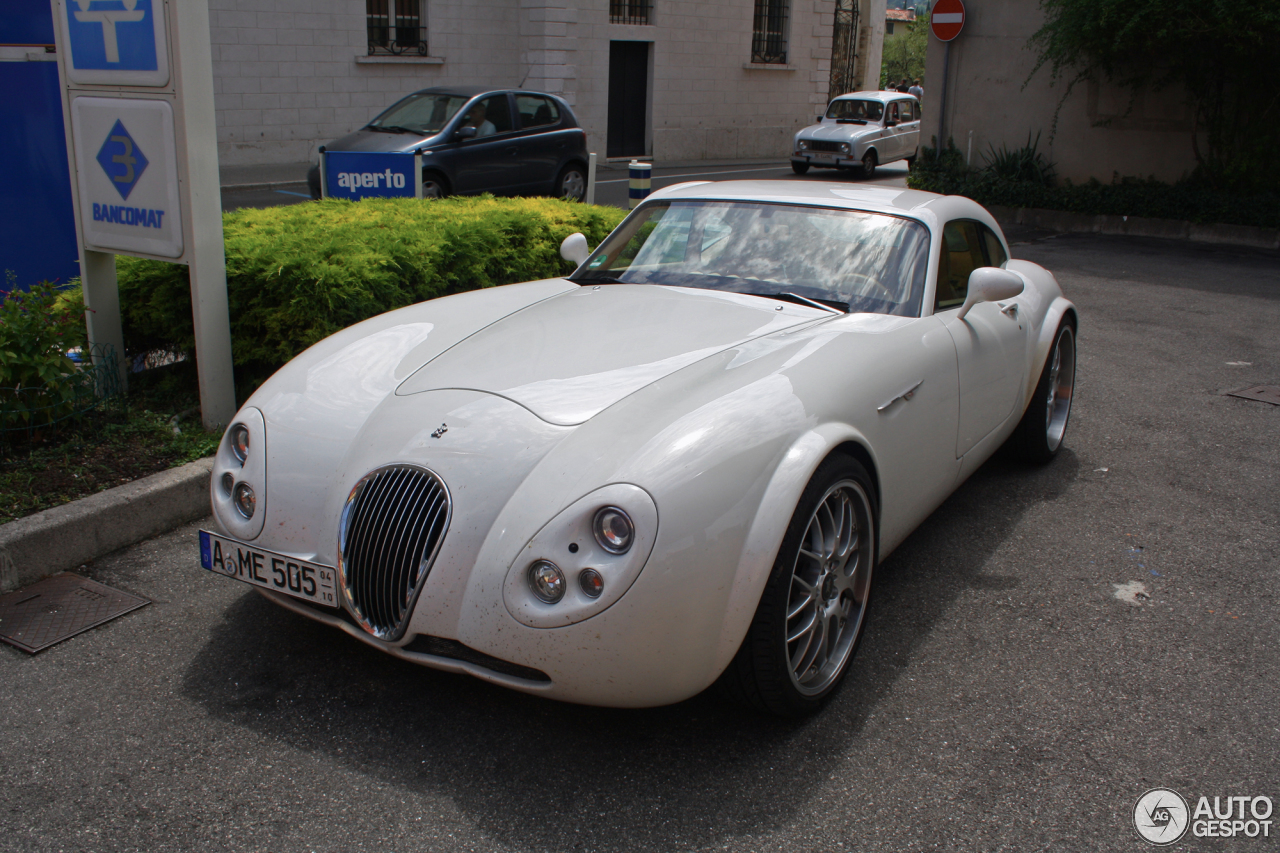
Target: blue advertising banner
361, 174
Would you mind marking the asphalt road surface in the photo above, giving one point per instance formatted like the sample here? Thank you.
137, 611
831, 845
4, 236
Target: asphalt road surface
612, 184
1048, 646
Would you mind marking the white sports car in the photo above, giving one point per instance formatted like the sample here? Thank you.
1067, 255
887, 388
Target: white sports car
679, 464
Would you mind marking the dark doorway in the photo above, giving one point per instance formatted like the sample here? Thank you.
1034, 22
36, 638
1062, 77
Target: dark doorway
628, 98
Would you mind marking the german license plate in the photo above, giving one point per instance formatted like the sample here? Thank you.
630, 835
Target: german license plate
268, 569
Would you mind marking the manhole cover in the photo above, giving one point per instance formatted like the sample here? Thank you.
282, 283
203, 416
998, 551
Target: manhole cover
59, 607
1263, 393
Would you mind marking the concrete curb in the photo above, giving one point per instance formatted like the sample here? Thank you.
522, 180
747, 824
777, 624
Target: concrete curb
1139, 226
66, 536
261, 185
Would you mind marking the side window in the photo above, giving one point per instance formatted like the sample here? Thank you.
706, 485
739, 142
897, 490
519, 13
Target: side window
915, 111
489, 116
536, 112
893, 111
961, 255
996, 256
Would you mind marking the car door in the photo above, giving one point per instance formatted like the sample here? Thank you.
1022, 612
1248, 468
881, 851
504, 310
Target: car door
910, 127
541, 141
486, 162
892, 148
990, 340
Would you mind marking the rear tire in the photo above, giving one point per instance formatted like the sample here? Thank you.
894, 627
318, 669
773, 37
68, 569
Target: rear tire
571, 184
811, 615
799, 167
1044, 424
434, 185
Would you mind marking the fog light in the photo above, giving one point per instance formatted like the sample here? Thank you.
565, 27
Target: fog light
546, 580
244, 500
228, 482
591, 582
614, 530
240, 442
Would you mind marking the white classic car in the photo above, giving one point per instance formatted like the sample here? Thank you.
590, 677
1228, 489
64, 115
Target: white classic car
677, 465
860, 130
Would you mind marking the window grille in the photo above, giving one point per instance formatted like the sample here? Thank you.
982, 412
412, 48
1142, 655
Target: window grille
630, 11
396, 27
769, 32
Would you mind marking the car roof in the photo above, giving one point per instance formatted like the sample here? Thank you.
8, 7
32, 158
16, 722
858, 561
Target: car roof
474, 91
930, 208
884, 97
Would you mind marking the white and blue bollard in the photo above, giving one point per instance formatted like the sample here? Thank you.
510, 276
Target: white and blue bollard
640, 174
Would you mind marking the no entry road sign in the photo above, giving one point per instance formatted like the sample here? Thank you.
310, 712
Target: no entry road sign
947, 19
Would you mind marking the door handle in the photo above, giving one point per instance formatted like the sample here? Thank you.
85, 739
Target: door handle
1010, 310
905, 395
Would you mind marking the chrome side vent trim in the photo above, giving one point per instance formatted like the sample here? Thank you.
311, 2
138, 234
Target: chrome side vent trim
392, 526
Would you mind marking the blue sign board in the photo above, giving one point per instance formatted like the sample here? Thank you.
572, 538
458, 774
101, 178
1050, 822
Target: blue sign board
360, 174
117, 35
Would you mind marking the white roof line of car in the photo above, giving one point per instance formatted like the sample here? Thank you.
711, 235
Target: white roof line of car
889, 200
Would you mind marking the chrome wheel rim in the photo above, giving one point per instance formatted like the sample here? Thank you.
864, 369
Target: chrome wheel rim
869, 164
1062, 377
574, 186
432, 189
829, 584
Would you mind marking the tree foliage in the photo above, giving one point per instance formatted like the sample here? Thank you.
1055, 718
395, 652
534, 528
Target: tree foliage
904, 54
1221, 53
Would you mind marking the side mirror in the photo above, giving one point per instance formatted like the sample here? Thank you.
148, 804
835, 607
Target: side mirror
464, 133
990, 284
819, 118
575, 248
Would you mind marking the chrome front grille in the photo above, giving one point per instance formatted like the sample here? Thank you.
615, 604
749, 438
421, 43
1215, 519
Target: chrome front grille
392, 526
823, 145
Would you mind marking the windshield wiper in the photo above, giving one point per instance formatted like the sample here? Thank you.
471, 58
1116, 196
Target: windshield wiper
596, 279
807, 301
391, 128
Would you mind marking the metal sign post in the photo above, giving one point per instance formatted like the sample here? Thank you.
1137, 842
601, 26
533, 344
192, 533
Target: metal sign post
137, 102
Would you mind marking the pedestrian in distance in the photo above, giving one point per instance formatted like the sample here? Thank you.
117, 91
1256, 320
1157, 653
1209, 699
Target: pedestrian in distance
917, 91
904, 85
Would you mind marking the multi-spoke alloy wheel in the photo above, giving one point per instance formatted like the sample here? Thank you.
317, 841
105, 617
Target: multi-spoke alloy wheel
829, 585
813, 609
1039, 434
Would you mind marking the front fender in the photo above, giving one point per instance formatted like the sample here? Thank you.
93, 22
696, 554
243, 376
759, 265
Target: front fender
773, 515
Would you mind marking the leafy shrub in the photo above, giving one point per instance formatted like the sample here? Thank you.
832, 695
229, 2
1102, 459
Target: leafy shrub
1020, 164
299, 273
39, 382
944, 171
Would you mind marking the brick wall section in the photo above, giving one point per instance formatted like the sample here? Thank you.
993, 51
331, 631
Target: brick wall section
291, 74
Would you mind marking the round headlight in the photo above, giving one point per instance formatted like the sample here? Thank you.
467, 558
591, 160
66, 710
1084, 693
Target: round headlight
614, 530
546, 580
844, 147
240, 442
244, 500
802, 144
591, 582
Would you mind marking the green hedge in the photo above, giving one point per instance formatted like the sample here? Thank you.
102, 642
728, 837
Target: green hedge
298, 273
945, 172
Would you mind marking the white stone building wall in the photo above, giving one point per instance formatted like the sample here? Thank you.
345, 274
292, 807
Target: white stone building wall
292, 74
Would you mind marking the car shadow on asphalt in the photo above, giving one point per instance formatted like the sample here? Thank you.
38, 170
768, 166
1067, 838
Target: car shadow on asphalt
531, 773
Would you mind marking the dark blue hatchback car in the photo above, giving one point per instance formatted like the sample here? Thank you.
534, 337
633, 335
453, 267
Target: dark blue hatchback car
475, 140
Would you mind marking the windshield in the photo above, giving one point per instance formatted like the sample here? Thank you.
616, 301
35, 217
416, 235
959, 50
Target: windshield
856, 110
424, 114
847, 259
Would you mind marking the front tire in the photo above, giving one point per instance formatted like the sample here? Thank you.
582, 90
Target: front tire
799, 167
1040, 432
571, 185
869, 164
813, 609
434, 185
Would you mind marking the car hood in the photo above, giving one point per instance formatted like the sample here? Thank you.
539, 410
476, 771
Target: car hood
838, 132
570, 357
373, 140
